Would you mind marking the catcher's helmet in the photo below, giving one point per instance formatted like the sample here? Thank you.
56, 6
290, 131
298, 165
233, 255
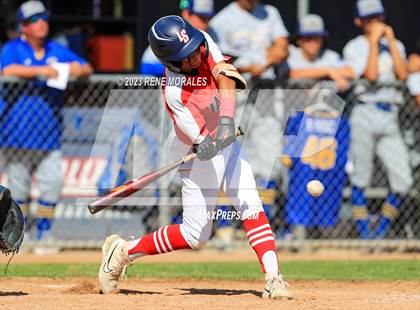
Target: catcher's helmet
172, 39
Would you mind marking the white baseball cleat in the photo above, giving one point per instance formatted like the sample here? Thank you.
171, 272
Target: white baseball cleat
114, 262
275, 287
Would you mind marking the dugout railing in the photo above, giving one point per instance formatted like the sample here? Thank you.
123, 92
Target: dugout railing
104, 121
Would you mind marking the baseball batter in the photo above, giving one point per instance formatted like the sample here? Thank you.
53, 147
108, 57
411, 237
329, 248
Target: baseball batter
203, 117
377, 56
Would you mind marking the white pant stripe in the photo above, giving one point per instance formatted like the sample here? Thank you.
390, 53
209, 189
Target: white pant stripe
265, 232
156, 243
257, 229
160, 239
262, 240
165, 234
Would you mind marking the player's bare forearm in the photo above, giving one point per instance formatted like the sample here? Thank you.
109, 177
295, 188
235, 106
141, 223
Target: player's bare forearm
418, 100
309, 73
87, 70
80, 70
278, 52
244, 69
227, 87
22, 71
414, 63
346, 72
371, 72
227, 90
400, 65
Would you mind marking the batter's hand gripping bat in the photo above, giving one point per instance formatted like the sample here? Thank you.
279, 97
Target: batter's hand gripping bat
132, 186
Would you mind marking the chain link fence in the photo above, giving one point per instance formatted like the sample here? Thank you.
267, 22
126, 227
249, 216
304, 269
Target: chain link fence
60, 148
319, 143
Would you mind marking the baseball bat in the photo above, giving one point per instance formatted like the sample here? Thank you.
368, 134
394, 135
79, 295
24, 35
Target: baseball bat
132, 186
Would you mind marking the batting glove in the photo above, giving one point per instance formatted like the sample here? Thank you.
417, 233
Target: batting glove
225, 132
205, 150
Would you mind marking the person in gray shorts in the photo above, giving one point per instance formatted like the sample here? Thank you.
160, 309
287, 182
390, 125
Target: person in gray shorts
377, 56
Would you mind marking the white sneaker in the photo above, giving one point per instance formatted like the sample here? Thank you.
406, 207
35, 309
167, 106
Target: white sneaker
275, 287
114, 261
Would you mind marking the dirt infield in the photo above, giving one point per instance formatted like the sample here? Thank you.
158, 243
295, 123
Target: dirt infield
136, 293
79, 293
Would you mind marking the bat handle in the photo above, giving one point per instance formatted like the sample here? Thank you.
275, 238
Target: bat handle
103, 203
92, 209
191, 156
95, 208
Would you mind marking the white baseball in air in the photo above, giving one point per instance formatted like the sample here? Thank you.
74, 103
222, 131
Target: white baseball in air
315, 188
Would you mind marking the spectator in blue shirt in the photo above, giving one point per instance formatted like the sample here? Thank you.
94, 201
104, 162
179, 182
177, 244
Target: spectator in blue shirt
31, 125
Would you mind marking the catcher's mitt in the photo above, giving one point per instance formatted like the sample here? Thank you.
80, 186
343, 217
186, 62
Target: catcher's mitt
12, 223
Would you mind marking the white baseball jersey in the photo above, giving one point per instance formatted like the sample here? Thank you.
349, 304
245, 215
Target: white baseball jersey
356, 54
247, 35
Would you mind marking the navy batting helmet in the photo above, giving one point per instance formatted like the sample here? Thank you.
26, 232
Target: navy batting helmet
173, 39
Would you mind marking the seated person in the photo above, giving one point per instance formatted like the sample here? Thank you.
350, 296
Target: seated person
311, 60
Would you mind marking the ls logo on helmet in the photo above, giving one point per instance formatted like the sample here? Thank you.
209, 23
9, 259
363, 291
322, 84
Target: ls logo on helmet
183, 36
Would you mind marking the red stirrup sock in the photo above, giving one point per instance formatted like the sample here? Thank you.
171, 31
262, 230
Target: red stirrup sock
261, 239
165, 239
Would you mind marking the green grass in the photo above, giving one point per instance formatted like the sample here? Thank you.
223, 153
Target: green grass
309, 270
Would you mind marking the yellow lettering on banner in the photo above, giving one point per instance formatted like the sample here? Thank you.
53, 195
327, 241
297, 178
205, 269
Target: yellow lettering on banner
324, 152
